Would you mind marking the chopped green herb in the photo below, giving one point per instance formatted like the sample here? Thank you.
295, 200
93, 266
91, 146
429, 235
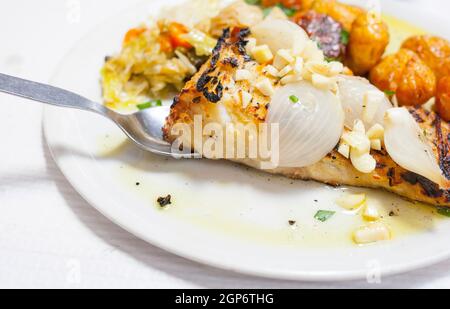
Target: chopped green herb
389, 92
267, 11
324, 215
444, 211
149, 104
329, 59
289, 12
345, 37
253, 2
294, 99
319, 46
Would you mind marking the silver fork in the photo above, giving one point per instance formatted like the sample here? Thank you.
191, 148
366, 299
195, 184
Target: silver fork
144, 128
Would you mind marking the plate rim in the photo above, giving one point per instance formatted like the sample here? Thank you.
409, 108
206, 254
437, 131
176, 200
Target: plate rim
306, 276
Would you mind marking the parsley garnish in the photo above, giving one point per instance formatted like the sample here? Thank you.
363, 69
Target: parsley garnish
253, 2
444, 211
345, 37
324, 215
149, 104
289, 12
266, 11
389, 92
294, 99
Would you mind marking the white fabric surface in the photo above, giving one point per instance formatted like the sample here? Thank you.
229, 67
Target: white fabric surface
49, 236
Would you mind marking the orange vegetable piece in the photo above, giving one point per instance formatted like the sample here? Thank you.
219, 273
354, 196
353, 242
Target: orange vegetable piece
133, 34
176, 31
443, 98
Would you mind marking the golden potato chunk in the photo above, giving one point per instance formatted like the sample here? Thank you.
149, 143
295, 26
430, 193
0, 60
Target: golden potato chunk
434, 51
404, 73
368, 40
443, 98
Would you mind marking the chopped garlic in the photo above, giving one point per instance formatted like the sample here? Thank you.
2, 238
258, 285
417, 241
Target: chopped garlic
279, 63
323, 82
364, 163
344, 149
291, 78
287, 69
359, 142
359, 127
372, 102
298, 65
243, 75
246, 98
266, 88
376, 132
371, 212
375, 144
271, 70
286, 55
251, 45
262, 54
371, 233
351, 201
318, 67
336, 68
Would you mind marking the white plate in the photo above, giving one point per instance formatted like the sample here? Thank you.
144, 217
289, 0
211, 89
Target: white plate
223, 214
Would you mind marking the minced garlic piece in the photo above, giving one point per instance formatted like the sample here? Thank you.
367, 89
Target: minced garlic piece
360, 146
298, 65
323, 82
250, 45
286, 55
265, 87
375, 144
344, 150
291, 78
287, 69
359, 127
246, 98
271, 70
371, 233
358, 141
376, 132
372, 102
351, 201
243, 75
364, 163
262, 54
371, 212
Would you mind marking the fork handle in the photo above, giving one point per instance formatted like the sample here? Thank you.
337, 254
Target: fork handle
47, 94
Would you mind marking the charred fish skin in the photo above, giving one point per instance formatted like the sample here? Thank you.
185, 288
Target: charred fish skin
205, 93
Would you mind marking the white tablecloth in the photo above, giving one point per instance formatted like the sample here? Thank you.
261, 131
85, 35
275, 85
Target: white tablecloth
49, 236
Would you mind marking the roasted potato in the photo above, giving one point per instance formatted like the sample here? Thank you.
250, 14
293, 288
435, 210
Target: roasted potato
443, 98
237, 14
434, 51
345, 14
369, 38
404, 73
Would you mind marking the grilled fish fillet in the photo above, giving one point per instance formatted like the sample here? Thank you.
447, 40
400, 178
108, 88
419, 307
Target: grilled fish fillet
208, 94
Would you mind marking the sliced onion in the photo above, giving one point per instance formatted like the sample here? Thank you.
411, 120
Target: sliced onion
409, 148
352, 91
310, 128
280, 34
